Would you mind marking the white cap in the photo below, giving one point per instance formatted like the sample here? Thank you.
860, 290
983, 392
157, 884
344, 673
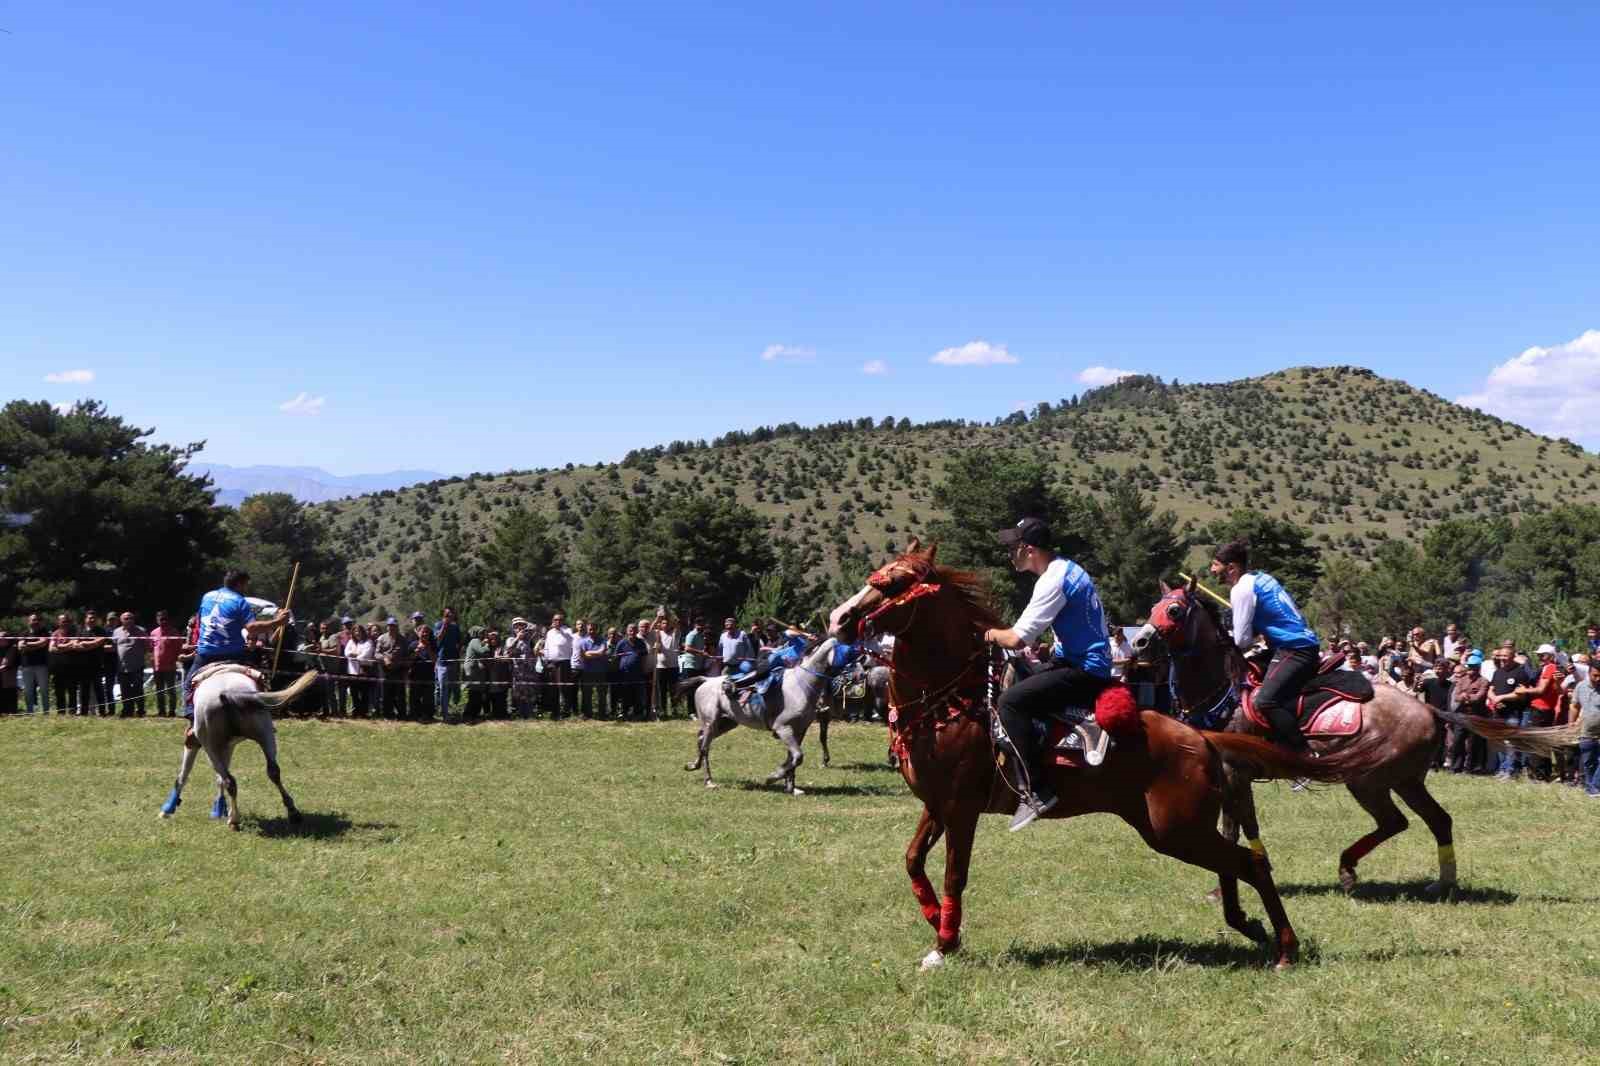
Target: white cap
1545, 649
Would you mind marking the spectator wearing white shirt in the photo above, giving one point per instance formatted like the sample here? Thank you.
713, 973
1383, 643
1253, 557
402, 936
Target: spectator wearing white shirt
559, 646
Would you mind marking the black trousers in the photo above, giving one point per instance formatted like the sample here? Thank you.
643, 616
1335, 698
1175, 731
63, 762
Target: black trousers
1053, 688
1287, 673
132, 684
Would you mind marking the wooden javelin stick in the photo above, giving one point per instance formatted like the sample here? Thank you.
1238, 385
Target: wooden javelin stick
288, 601
1207, 591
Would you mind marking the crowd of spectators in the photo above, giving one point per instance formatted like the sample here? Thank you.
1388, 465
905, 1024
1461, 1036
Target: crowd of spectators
415, 671
111, 665
1548, 687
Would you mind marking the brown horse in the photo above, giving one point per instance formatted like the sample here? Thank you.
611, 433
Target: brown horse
1165, 780
1397, 727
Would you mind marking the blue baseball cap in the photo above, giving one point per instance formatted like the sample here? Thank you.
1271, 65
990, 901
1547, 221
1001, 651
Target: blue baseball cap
1475, 658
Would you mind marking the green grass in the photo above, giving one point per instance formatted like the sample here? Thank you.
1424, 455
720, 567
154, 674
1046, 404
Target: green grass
565, 892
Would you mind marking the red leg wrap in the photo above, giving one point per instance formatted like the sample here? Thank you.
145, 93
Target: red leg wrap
922, 888
950, 921
1360, 848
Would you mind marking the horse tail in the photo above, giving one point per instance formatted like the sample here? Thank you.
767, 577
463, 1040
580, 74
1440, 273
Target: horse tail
272, 701
687, 686
1271, 760
1542, 741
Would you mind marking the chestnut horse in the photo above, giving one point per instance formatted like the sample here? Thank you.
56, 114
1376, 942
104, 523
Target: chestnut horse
1398, 727
1165, 780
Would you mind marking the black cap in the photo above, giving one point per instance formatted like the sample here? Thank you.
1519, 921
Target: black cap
1032, 531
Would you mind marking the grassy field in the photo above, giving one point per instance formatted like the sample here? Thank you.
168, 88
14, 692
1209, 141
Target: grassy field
565, 892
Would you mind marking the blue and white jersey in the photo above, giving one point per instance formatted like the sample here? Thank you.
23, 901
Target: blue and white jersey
223, 615
1261, 605
1066, 601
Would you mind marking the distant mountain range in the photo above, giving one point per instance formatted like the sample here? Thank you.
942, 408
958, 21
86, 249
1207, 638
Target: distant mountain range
308, 484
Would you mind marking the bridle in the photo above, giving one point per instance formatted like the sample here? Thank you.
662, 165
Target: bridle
920, 588
1176, 628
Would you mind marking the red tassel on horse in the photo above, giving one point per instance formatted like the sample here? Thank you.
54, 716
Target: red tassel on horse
1116, 711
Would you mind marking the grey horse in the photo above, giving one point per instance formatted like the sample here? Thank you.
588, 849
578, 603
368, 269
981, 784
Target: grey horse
229, 708
790, 708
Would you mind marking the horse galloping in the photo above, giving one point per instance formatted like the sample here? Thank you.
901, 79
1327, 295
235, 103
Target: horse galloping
1165, 779
230, 706
786, 711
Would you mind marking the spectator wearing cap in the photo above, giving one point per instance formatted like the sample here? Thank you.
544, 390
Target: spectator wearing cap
475, 674
447, 668
560, 686
518, 650
424, 655
394, 654
1468, 752
1544, 696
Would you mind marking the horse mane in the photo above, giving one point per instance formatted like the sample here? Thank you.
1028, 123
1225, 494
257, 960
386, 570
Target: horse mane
972, 592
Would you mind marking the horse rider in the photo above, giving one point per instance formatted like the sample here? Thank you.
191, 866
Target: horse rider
789, 650
227, 623
1263, 607
1066, 601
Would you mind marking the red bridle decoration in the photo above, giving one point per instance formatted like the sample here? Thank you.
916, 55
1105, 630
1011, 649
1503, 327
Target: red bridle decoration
1169, 623
915, 592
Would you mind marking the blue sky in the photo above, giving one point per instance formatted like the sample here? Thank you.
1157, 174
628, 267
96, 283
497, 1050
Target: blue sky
523, 235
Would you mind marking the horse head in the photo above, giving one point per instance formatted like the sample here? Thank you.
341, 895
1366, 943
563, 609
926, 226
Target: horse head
889, 588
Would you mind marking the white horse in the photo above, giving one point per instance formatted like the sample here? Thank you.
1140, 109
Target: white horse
228, 708
790, 709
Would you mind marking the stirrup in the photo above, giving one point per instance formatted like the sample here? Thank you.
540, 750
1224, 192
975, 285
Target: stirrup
1097, 742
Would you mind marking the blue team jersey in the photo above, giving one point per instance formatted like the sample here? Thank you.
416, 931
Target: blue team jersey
1276, 616
790, 652
1080, 627
223, 615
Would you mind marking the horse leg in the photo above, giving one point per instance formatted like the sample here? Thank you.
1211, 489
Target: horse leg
927, 834
823, 717
1201, 845
785, 732
960, 829
1416, 796
1377, 802
175, 797
269, 746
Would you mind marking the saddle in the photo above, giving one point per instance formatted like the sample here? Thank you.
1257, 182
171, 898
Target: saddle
1068, 740
1329, 705
206, 673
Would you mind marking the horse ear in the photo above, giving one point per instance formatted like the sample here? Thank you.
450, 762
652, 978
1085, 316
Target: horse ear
913, 546
933, 550
1193, 581
1165, 588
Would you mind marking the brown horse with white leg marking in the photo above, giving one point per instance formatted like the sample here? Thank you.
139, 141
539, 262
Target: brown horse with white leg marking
1165, 779
1399, 727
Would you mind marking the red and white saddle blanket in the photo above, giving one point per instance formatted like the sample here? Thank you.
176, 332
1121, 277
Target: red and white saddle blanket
206, 673
1329, 705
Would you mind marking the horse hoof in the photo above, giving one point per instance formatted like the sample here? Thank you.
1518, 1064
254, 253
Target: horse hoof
1440, 890
234, 826
1347, 879
826, 761
797, 792
1283, 964
711, 784
295, 817
1214, 896
164, 814
932, 960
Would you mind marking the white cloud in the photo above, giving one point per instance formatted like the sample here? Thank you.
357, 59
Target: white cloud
974, 353
62, 408
1554, 391
303, 404
1095, 376
874, 366
70, 377
788, 353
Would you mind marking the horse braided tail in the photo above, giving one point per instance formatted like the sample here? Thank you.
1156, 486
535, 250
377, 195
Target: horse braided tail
272, 701
1274, 761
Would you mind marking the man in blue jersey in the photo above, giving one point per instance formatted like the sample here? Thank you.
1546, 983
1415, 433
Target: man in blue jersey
226, 622
1263, 607
1064, 600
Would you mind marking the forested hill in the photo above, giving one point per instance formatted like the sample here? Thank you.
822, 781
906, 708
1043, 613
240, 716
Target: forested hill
1354, 457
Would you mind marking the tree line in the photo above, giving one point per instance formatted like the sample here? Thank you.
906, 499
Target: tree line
96, 516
